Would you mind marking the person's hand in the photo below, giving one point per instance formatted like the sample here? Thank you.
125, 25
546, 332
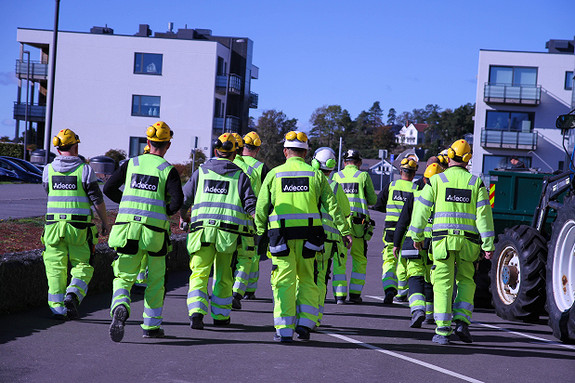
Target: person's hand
488, 254
395, 251
418, 245
104, 229
184, 225
347, 241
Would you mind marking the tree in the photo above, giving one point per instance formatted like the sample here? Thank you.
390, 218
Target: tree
117, 155
328, 125
272, 126
391, 116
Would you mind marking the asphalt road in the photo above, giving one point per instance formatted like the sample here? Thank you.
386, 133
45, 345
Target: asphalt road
363, 343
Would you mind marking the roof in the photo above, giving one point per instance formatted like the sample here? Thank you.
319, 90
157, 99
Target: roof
421, 127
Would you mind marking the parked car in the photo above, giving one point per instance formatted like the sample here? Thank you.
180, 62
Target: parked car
8, 175
21, 174
25, 164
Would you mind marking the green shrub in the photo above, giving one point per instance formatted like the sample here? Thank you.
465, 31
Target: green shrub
117, 155
11, 150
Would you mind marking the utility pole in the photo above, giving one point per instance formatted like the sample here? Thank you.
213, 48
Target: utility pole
52, 79
27, 106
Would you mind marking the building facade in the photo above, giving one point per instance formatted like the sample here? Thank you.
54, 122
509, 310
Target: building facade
411, 134
519, 96
110, 87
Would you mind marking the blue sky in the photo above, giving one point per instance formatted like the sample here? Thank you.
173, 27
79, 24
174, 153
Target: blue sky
405, 54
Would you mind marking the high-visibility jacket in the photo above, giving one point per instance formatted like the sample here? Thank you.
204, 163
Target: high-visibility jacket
358, 187
219, 204
255, 169
399, 190
242, 164
334, 233
67, 199
143, 200
461, 209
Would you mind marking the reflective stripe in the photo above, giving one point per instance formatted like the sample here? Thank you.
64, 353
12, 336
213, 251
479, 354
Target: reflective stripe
416, 297
357, 174
358, 200
295, 174
355, 287
307, 309
152, 322
294, 216
80, 283
410, 252
149, 201
414, 187
463, 315
415, 229
119, 292
242, 274
482, 203
454, 226
157, 312
60, 310
340, 289
56, 298
424, 201
392, 214
76, 291
340, 174
285, 332
330, 229
445, 317
472, 180
463, 306
455, 215
141, 276
119, 301
389, 274
443, 178
360, 276
222, 205
64, 210
221, 301
136, 161
306, 322
221, 311
278, 248
487, 234
164, 165
197, 293
197, 305
284, 321
143, 213
359, 209
239, 286
311, 246
221, 217
339, 277
394, 206
427, 229
57, 198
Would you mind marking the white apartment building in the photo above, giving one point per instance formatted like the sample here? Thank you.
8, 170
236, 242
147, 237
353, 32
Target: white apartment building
411, 134
519, 96
109, 88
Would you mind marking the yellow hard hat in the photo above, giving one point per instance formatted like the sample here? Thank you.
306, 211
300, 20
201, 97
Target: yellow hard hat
409, 163
226, 143
432, 170
159, 132
239, 140
442, 158
65, 137
295, 139
459, 151
253, 139
146, 149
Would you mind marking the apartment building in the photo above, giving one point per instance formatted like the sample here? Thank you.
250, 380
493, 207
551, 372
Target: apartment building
110, 87
519, 96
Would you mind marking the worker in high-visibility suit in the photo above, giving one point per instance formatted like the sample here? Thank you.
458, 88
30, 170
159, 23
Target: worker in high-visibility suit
418, 264
334, 247
358, 187
142, 278
244, 255
152, 192
222, 206
288, 206
252, 146
391, 201
462, 226
69, 233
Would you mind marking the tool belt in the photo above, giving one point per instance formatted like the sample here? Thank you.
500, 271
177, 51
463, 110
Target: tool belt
230, 227
66, 217
440, 234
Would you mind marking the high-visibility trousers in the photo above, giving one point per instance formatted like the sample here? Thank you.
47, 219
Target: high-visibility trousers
76, 245
221, 299
126, 268
331, 251
442, 278
358, 254
389, 267
244, 258
294, 289
420, 290
339, 278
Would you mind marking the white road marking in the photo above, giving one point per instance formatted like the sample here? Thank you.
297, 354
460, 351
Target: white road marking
403, 357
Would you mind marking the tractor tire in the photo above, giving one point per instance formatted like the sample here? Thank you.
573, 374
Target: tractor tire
561, 274
518, 274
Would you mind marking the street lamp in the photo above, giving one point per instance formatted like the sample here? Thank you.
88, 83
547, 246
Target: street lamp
27, 105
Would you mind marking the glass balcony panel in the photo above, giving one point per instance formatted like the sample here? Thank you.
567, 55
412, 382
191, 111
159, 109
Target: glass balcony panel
508, 139
512, 94
38, 70
36, 113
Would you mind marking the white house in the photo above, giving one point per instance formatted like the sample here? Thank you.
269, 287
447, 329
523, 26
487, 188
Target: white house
109, 88
411, 134
519, 96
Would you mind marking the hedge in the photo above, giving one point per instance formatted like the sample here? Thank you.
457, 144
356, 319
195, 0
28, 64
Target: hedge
11, 150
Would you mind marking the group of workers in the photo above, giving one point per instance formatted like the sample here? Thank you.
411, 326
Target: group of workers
302, 216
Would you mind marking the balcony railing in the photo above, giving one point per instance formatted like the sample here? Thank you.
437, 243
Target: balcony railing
235, 84
38, 71
512, 94
253, 100
508, 140
36, 113
232, 124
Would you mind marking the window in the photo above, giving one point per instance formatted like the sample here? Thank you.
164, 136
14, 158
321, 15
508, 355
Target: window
568, 80
137, 145
148, 106
516, 76
219, 108
509, 121
148, 63
502, 162
221, 67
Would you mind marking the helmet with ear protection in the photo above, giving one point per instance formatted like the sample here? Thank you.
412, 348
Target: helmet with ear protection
409, 164
239, 140
65, 137
253, 139
225, 143
324, 159
432, 170
159, 132
459, 151
295, 139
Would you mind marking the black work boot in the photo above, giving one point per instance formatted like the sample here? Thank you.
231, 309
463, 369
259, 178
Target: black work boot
155, 333
389, 295
462, 331
441, 339
355, 298
302, 332
197, 321
71, 302
417, 319
250, 296
119, 317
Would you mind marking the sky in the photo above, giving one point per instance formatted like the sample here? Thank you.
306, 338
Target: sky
311, 53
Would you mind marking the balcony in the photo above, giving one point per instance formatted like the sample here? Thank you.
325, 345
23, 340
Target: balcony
508, 140
512, 94
232, 124
38, 71
253, 100
36, 113
235, 84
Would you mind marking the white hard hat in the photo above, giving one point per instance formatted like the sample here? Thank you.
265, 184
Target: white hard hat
324, 158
